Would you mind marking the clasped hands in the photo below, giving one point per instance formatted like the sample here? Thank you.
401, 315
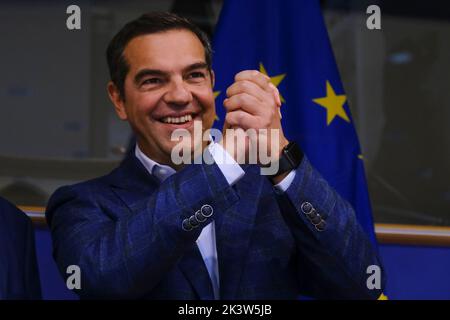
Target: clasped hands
253, 113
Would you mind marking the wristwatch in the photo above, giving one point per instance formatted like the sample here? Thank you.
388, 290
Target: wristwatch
291, 157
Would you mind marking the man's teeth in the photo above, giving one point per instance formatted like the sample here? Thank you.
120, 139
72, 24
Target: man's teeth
182, 119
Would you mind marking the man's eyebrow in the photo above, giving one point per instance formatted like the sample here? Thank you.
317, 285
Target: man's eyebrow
198, 65
155, 72
147, 72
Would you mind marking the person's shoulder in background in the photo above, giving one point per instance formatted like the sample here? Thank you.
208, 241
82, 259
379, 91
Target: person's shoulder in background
19, 276
11, 215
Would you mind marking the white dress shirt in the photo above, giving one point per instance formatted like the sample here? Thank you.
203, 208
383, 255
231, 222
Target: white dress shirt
232, 172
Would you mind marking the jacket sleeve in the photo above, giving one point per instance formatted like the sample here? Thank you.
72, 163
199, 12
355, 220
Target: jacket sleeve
18, 254
127, 257
333, 250
31, 270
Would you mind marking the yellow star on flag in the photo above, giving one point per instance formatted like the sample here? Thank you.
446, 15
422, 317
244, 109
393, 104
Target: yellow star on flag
383, 297
334, 104
276, 80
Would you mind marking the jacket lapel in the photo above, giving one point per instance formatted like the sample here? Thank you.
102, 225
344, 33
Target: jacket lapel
234, 229
132, 182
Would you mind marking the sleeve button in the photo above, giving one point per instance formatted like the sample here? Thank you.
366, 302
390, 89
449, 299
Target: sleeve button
316, 219
186, 226
193, 221
199, 216
321, 226
206, 210
306, 207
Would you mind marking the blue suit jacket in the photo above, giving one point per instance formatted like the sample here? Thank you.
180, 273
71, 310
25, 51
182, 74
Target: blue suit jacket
19, 276
125, 232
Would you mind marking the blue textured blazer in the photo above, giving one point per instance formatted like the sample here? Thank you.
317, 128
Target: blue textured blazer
124, 230
19, 276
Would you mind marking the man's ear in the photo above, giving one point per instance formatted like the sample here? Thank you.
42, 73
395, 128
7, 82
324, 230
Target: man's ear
117, 100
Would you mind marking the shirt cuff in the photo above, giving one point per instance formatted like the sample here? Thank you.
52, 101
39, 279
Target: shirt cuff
229, 167
285, 183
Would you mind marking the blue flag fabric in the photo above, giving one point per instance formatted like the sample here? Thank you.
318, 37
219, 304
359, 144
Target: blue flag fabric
288, 40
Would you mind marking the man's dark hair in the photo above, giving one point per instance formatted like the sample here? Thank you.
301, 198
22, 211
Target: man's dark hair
148, 23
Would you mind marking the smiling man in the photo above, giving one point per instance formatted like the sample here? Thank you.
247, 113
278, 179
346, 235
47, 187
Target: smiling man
154, 229
168, 86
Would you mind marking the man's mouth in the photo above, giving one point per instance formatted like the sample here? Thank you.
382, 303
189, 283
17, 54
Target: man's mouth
184, 120
178, 120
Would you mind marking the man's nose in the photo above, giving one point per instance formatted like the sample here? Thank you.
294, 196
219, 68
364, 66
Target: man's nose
178, 93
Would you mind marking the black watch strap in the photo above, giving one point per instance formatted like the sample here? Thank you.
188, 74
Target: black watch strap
291, 157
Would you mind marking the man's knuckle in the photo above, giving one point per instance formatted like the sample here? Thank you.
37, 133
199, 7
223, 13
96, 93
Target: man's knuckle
245, 99
238, 99
229, 118
240, 117
245, 85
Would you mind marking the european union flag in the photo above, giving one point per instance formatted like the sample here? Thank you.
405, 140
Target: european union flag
288, 41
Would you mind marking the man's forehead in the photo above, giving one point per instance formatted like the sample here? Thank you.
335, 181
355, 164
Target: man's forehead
165, 48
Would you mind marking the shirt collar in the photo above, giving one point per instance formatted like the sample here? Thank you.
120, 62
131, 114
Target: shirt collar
160, 171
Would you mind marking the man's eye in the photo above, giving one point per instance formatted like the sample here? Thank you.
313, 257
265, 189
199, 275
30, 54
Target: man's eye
197, 75
151, 81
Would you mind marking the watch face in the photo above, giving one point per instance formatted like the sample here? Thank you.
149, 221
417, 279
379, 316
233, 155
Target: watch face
293, 154
290, 146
